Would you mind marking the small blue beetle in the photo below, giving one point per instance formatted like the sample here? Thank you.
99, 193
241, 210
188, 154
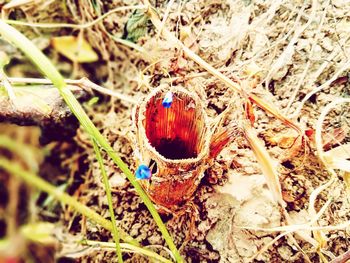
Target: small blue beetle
143, 172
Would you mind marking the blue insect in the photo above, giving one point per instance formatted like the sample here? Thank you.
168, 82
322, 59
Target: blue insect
168, 99
143, 172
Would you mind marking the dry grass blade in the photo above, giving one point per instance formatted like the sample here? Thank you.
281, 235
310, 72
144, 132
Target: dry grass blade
4, 60
302, 78
6, 84
318, 234
270, 109
266, 247
81, 26
84, 83
287, 54
272, 179
171, 2
266, 164
289, 229
269, 171
325, 157
345, 67
302, 227
338, 158
328, 161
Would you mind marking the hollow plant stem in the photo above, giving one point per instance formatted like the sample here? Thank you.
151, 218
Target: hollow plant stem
47, 68
110, 202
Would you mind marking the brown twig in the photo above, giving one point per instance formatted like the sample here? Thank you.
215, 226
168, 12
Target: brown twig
41, 106
83, 83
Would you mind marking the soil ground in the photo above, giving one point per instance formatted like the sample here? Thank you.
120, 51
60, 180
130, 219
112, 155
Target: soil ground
285, 48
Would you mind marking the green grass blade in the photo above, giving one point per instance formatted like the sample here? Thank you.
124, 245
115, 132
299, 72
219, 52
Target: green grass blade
39, 183
109, 200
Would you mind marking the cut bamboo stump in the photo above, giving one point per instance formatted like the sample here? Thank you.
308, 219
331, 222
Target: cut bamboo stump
177, 143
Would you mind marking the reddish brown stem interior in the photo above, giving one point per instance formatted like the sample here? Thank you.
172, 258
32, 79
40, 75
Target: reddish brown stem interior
176, 132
